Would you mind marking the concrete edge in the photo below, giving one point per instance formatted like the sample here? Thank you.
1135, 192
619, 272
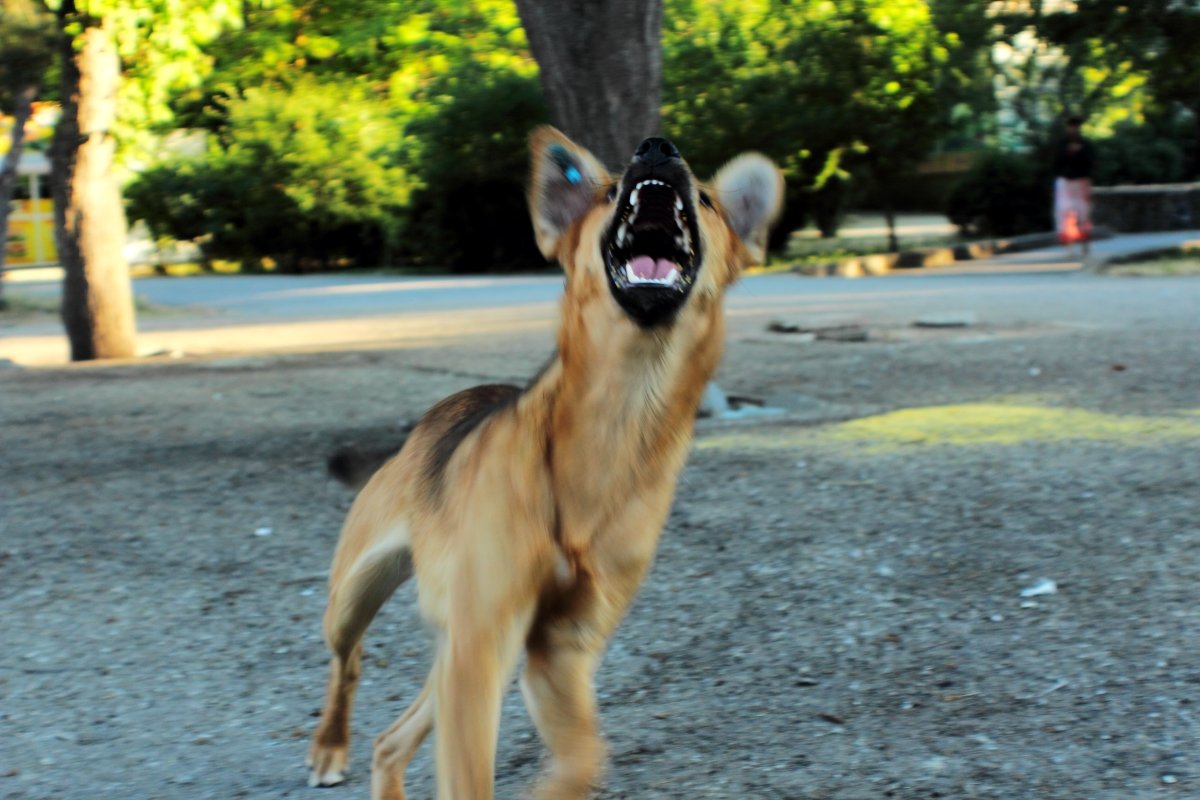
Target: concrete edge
932, 257
1102, 264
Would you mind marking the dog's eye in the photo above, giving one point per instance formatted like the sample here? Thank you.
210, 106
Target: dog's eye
611, 194
705, 200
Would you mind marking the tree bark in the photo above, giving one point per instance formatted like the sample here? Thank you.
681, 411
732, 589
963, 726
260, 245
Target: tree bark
97, 304
889, 214
22, 110
600, 64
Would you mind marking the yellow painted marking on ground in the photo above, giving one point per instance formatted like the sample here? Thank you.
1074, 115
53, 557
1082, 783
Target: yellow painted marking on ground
977, 424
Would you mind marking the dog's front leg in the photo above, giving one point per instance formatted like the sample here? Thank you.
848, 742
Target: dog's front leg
557, 686
473, 669
564, 649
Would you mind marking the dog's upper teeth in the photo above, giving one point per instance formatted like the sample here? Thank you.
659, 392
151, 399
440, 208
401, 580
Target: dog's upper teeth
622, 234
678, 203
633, 196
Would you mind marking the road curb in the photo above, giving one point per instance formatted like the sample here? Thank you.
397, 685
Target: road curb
931, 257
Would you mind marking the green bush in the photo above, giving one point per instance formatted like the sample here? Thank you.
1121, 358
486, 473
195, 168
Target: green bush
1139, 154
1004, 194
309, 176
470, 212
320, 175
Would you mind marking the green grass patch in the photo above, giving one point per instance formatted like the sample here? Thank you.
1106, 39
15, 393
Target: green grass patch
973, 425
15, 304
805, 250
1174, 261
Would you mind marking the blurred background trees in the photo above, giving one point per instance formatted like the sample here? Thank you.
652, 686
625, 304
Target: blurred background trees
296, 135
26, 54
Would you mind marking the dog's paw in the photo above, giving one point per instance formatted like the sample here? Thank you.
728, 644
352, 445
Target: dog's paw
327, 766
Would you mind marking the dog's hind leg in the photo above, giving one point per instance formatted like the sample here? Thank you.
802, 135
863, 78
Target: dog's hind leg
360, 584
396, 746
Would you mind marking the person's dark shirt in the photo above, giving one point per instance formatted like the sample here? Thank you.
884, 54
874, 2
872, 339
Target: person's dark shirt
1074, 166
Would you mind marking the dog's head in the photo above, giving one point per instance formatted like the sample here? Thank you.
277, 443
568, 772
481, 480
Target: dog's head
656, 236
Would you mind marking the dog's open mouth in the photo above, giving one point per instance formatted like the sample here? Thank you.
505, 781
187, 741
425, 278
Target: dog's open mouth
651, 249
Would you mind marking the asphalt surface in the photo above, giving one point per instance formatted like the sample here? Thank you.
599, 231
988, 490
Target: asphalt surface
227, 314
954, 563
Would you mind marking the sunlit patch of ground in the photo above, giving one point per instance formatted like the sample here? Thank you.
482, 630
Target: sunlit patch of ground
978, 424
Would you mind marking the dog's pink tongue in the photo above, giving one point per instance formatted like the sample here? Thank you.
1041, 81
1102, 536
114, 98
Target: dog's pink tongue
647, 267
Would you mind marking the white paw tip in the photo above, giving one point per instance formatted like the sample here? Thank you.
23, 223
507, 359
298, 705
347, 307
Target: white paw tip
331, 778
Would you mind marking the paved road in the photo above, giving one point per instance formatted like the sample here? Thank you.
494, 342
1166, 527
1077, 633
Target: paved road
240, 313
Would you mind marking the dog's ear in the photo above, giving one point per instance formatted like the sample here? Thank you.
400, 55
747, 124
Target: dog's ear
563, 182
750, 189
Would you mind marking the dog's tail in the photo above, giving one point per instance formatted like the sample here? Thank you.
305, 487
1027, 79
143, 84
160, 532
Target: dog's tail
354, 465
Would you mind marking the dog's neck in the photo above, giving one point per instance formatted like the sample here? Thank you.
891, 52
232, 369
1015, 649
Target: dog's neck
622, 402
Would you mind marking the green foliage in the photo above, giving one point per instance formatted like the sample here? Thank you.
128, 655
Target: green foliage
308, 177
1139, 154
1053, 62
1004, 194
26, 47
470, 211
460, 93
1111, 61
867, 86
352, 132
161, 44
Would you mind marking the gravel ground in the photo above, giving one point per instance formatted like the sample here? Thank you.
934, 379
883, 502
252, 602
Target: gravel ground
836, 609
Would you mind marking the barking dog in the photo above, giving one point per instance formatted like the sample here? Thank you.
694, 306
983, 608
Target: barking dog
530, 516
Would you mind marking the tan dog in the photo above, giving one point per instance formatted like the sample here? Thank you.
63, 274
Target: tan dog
531, 516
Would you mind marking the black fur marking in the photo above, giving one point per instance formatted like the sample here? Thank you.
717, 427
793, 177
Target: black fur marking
468, 409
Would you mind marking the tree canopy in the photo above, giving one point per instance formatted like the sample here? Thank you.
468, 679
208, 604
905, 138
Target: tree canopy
394, 130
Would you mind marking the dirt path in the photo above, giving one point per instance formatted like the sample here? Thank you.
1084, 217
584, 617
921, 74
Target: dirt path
836, 610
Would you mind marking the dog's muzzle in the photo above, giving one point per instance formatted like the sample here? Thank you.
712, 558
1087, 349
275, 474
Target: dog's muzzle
652, 247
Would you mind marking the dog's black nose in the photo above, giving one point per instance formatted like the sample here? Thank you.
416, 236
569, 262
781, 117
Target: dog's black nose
655, 152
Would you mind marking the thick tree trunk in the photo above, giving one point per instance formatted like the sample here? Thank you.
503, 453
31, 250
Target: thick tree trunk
97, 304
22, 110
601, 69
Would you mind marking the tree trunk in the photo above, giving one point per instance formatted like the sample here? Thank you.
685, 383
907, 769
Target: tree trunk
889, 213
97, 303
22, 110
1194, 167
601, 69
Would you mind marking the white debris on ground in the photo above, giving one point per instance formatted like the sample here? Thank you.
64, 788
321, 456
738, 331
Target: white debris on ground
1043, 587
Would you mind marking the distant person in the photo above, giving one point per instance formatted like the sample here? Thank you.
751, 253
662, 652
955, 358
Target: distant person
1073, 188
